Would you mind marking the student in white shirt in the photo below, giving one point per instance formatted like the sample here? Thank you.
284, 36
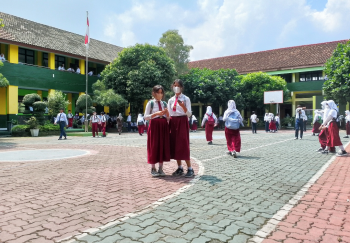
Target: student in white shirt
128, 120
140, 124
210, 121
119, 123
158, 141
94, 120
299, 122
179, 107
2, 57
103, 123
194, 123
253, 120
347, 123
61, 67
61, 119
267, 123
78, 70
221, 122
333, 138
316, 122
277, 120
70, 119
90, 73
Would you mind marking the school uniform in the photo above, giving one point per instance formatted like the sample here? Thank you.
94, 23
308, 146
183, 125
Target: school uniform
333, 138
70, 120
140, 124
267, 123
347, 121
277, 119
299, 123
272, 123
103, 124
233, 137
317, 123
128, 120
179, 128
323, 135
194, 123
253, 121
61, 119
209, 128
94, 124
158, 138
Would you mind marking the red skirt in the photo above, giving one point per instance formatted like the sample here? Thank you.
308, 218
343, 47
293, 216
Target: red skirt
194, 126
322, 138
209, 132
333, 138
348, 128
233, 139
141, 128
272, 126
316, 127
158, 145
70, 122
179, 138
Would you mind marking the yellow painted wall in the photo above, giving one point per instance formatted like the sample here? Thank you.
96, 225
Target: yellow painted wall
13, 54
69, 97
12, 99
293, 77
3, 101
127, 110
51, 63
40, 93
3, 50
106, 109
40, 58
82, 66
144, 105
347, 106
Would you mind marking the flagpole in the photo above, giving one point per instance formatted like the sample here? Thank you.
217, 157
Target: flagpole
86, 72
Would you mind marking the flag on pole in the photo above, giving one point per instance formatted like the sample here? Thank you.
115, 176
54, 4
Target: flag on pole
87, 35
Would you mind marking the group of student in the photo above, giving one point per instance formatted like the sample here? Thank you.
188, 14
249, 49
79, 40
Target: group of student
271, 121
325, 125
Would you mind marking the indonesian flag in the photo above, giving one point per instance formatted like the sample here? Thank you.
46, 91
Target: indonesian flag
87, 35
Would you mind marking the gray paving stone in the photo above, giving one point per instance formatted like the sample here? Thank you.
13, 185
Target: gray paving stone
150, 229
152, 238
212, 235
131, 234
239, 239
201, 239
171, 239
175, 233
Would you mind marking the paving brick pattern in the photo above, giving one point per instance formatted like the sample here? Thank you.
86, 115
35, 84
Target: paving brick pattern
230, 203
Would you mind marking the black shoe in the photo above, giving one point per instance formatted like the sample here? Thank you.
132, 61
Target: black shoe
332, 151
295, 138
346, 137
234, 154
325, 152
342, 153
210, 143
119, 133
319, 150
178, 172
65, 137
313, 134
60, 139
190, 173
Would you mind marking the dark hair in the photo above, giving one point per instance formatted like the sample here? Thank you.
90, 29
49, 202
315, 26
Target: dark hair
179, 81
69, 110
299, 106
157, 88
253, 112
102, 113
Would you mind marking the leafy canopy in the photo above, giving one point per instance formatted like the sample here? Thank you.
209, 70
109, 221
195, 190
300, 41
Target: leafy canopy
175, 48
3, 81
136, 70
81, 104
254, 85
56, 101
337, 68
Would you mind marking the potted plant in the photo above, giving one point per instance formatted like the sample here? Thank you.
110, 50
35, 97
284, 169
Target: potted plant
33, 126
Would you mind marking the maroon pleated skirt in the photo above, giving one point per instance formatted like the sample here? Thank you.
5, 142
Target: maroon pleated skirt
233, 140
194, 126
179, 138
322, 138
316, 127
272, 126
209, 132
348, 128
333, 138
141, 128
158, 143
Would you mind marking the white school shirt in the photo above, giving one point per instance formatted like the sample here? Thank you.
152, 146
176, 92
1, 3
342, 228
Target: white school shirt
69, 115
266, 118
149, 111
220, 118
253, 118
78, 70
347, 118
103, 119
332, 114
94, 118
2, 58
179, 111
129, 118
61, 117
300, 116
277, 119
205, 118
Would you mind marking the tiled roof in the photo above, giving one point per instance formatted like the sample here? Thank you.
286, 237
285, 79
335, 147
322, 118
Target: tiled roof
31, 33
272, 60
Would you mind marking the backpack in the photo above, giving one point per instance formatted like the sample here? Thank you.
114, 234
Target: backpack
140, 123
211, 120
164, 105
232, 121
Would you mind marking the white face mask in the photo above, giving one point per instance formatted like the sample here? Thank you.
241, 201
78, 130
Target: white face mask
177, 90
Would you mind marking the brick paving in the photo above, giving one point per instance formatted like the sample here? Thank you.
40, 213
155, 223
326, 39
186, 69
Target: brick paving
47, 201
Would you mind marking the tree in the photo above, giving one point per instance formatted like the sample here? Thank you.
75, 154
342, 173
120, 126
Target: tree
34, 100
213, 86
174, 46
81, 105
136, 70
337, 68
254, 85
107, 97
3, 81
56, 101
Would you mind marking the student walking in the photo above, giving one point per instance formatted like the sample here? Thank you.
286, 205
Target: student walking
210, 121
323, 135
61, 119
347, 123
277, 120
70, 119
158, 141
333, 138
233, 120
299, 122
179, 107
267, 123
194, 124
317, 122
103, 121
140, 124
119, 122
94, 120
128, 120
253, 120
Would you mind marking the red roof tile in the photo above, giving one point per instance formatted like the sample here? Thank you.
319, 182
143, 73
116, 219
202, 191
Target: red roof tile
272, 60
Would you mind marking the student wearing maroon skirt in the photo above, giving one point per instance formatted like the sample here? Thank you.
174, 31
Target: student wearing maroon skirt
323, 135
210, 121
333, 138
272, 123
194, 123
233, 136
317, 122
158, 142
179, 107
347, 123
140, 124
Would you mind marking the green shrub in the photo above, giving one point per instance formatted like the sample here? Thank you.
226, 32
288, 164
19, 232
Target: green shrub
20, 130
29, 99
39, 106
49, 127
32, 123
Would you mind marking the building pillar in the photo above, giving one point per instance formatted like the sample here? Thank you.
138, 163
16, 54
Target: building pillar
51, 91
293, 77
127, 110
106, 109
13, 54
347, 106
51, 57
220, 110
12, 100
69, 97
242, 114
200, 114
293, 104
248, 117
40, 58
82, 66
40, 93
144, 106
81, 93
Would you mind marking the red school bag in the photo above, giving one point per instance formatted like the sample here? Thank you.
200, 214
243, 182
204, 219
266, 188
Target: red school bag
211, 120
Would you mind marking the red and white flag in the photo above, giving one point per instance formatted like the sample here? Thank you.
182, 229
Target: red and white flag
87, 35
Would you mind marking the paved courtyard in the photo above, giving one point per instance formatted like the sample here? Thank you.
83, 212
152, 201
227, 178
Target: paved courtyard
99, 190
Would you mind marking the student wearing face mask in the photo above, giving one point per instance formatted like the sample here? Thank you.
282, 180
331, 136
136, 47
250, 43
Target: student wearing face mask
333, 138
158, 142
179, 107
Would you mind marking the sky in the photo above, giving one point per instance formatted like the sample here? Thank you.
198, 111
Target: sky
214, 28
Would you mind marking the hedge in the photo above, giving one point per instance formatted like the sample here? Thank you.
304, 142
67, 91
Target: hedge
45, 130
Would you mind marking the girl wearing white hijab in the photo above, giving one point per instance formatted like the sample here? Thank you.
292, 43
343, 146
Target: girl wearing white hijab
347, 123
272, 123
210, 122
194, 123
267, 122
120, 123
317, 122
333, 138
233, 137
140, 124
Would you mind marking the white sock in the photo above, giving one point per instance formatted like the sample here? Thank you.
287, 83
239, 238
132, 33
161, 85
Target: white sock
160, 165
327, 148
341, 147
180, 166
190, 168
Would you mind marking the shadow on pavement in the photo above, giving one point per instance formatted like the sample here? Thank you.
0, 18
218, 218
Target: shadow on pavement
213, 180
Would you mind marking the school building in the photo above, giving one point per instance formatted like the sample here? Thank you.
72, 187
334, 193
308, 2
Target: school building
301, 66
33, 53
